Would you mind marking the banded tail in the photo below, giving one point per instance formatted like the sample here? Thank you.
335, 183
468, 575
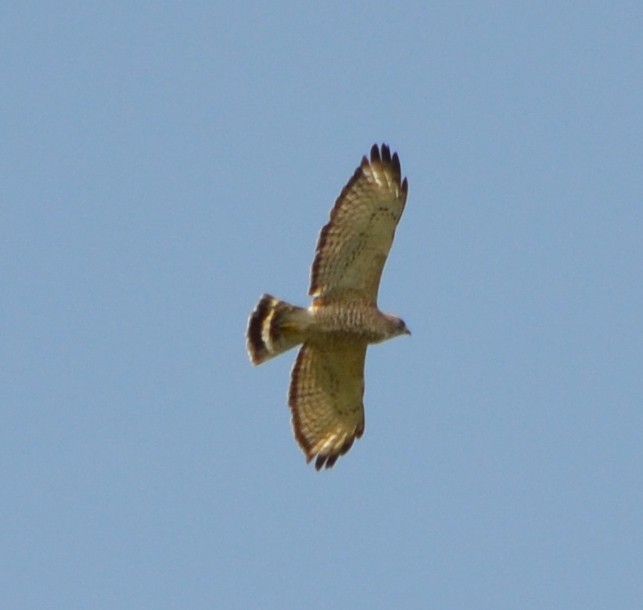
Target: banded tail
274, 327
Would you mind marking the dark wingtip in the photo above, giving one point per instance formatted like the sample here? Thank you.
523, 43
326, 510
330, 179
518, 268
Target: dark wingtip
383, 155
325, 461
375, 153
386, 154
395, 164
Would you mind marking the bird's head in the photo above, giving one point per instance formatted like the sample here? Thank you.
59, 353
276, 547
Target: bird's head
397, 326
402, 327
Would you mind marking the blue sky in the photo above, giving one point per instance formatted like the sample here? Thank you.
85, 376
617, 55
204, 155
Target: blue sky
163, 164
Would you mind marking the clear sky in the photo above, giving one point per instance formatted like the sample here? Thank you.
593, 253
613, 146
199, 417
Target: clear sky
163, 164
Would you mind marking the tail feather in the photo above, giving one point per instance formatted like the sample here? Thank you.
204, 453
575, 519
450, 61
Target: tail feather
274, 327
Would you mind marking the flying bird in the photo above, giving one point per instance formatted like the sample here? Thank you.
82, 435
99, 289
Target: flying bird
327, 381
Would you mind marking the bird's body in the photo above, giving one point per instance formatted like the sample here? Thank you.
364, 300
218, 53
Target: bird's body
327, 383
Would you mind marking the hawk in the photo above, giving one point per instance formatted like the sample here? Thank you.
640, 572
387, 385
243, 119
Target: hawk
327, 382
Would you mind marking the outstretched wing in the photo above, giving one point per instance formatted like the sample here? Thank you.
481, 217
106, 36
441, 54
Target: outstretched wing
353, 246
325, 398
